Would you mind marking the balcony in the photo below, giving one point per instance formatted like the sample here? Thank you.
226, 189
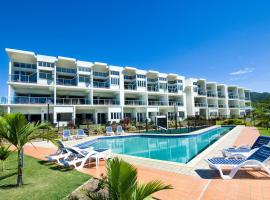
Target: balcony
212, 106
130, 86
220, 95
106, 102
31, 100
23, 78
201, 92
101, 74
201, 105
222, 106
247, 99
241, 98
211, 94
66, 70
233, 96
172, 89
152, 80
135, 102
66, 82
152, 88
127, 77
72, 101
233, 106
25, 65
175, 103
98, 84
3, 100
157, 103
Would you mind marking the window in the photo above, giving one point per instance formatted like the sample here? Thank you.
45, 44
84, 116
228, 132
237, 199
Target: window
115, 115
141, 83
45, 64
180, 81
116, 73
84, 79
141, 76
162, 79
45, 75
163, 86
84, 69
115, 81
25, 65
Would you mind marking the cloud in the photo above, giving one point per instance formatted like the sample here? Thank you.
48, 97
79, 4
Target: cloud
238, 78
243, 71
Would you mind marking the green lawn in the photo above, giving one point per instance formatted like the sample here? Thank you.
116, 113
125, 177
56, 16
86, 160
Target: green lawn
264, 131
41, 180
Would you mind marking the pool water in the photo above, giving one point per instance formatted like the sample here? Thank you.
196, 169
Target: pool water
180, 148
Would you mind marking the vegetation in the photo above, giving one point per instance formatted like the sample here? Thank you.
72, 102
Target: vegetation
41, 181
4, 153
259, 97
121, 183
18, 131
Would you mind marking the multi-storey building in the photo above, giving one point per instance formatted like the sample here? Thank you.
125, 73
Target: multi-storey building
63, 89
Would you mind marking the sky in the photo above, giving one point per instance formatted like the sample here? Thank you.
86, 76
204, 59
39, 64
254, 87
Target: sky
223, 41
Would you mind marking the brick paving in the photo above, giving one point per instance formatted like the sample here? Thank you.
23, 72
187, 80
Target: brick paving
248, 184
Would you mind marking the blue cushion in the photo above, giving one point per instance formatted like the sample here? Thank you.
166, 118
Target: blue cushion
221, 161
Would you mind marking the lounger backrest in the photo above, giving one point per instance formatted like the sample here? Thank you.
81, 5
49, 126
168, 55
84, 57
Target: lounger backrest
109, 129
119, 129
261, 140
66, 133
262, 154
59, 144
80, 132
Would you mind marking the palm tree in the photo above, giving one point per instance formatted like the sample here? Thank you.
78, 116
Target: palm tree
121, 183
18, 131
4, 153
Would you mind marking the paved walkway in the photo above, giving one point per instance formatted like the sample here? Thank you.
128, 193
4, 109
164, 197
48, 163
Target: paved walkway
248, 184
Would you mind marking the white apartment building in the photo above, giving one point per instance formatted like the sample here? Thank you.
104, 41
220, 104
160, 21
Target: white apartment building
69, 89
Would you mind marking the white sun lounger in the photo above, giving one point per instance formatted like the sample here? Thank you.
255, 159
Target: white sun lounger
80, 134
245, 151
102, 154
119, 130
109, 131
258, 159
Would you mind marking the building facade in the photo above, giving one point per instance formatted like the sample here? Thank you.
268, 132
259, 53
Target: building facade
63, 89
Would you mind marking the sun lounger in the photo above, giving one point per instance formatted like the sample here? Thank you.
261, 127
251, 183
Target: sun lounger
109, 131
80, 134
258, 159
119, 130
245, 151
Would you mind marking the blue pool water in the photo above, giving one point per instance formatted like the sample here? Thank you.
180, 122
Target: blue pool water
180, 148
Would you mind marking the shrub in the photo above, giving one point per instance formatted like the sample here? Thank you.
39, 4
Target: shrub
233, 122
131, 128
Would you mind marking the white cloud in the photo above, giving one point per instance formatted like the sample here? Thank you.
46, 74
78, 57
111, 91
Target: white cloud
243, 71
238, 78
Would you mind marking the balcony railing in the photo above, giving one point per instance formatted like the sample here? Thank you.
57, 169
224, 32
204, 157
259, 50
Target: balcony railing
231, 96
233, 106
221, 95
211, 94
242, 98
106, 102
175, 103
152, 88
222, 106
130, 86
201, 92
66, 82
134, 102
73, 101
200, 105
247, 98
101, 74
195, 89
31, 100
23, 78
157, 103
66, 70
212, 106
152, 80
172, 89
98, 84
47, 76
127, 77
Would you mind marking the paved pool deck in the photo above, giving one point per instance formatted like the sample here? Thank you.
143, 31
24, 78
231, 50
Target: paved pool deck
198, 181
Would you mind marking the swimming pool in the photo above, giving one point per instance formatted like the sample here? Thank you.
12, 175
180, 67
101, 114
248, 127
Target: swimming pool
173, 148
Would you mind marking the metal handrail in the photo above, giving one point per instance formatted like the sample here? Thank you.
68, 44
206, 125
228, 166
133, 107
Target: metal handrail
72, 101
157, 103
134, 102
97, 84
31, 100
200, 105
68, 82
23, 78
106, 102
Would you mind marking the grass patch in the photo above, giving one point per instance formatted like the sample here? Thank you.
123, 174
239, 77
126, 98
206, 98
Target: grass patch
42, 180
264, 131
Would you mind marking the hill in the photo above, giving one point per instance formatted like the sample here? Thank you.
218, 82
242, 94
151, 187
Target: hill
260, 97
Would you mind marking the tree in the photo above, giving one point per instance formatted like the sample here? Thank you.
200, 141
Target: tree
18, 131
121, 183
4, 153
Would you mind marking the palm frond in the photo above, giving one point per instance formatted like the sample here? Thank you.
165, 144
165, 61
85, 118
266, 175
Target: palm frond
145, 190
